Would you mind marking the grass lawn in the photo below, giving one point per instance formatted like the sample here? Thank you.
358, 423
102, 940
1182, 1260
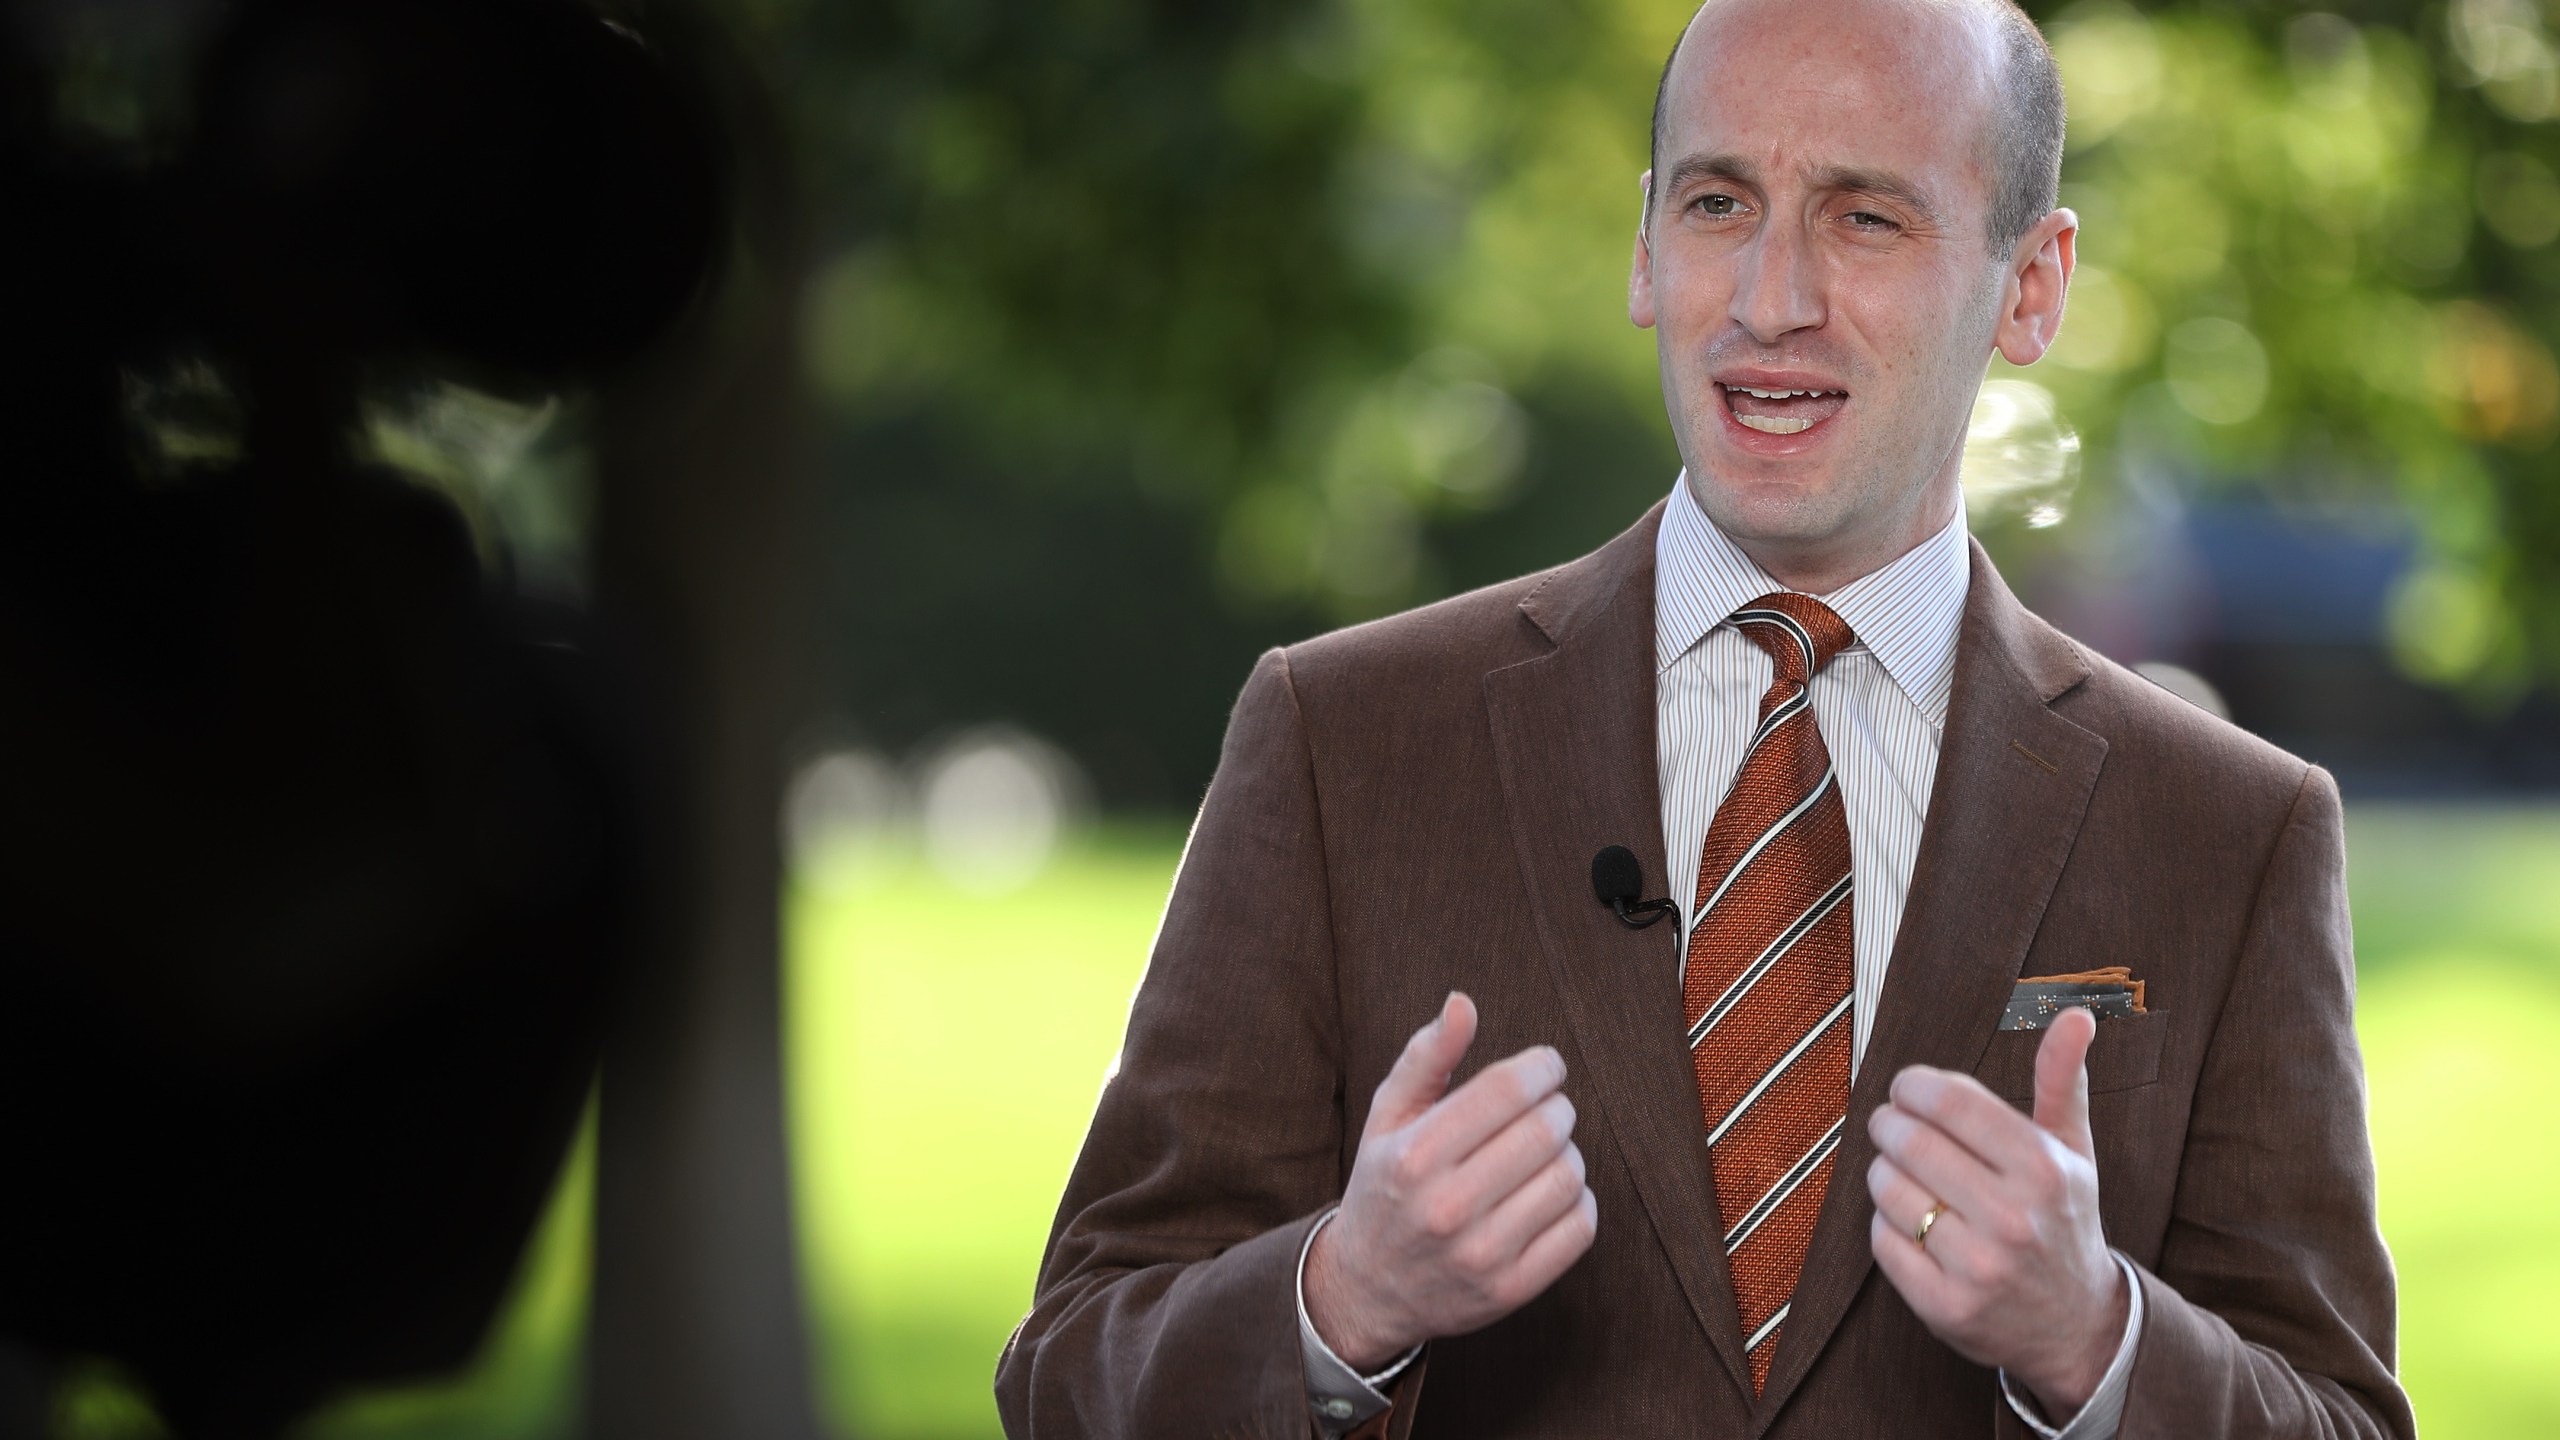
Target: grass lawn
2458, 952
941, 1077
945, 1051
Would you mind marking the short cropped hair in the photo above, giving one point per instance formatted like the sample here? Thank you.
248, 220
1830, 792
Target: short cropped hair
2026, 139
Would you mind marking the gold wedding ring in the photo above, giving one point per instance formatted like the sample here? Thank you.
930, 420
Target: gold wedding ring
1920, 1232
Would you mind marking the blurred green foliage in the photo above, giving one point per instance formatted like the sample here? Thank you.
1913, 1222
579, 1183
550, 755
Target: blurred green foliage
1213, 325
2316, 264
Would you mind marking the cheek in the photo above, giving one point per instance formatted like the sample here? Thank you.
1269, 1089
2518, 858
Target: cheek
1924, 349
1691, 290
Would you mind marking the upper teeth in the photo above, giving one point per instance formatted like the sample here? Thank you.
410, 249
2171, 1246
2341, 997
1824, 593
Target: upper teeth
1775, 394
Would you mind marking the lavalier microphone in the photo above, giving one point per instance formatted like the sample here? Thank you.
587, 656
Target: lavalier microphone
1617, 877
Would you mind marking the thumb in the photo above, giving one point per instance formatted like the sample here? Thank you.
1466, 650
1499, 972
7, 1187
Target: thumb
2062, 1080
1421, 1073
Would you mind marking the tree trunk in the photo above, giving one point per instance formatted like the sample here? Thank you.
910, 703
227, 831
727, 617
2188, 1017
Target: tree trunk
697, 1325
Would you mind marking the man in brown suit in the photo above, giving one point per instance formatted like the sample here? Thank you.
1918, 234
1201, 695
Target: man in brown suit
1288, 1220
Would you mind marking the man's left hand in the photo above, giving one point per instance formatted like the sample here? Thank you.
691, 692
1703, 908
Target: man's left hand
2015, 1271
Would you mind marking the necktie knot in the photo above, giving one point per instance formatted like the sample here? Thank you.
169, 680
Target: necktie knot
1799, 632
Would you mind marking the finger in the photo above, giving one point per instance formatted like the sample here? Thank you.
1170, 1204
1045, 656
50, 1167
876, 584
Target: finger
1520, 1149
1971, 1115
1476, 1111
1421, 1074
1557, 1247
1936, 1161
2062, 1079
1925, 1287
1954, 1246
1516, 1220
1901, 1200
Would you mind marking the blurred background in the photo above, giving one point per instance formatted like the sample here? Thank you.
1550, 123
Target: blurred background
1064, 355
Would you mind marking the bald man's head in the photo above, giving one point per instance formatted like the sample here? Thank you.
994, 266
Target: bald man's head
2025, 143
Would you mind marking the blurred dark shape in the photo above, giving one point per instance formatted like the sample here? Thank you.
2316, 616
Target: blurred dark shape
323, 856
2285, 610
517, 189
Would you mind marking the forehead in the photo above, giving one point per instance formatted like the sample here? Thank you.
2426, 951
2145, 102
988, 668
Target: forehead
1902, 86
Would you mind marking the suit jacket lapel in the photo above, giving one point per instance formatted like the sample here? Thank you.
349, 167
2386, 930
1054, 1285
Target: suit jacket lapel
2012, 784
1573, 735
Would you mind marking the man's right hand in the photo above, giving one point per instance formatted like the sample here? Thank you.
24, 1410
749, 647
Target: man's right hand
1461, 1208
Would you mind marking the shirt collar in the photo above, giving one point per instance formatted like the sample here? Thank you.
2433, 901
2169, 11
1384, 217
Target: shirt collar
1907, 613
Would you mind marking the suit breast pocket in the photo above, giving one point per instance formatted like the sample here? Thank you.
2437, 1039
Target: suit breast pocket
2124, 1055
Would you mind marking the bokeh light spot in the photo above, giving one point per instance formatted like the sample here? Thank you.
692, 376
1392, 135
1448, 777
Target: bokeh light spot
2217, 370
2021, 458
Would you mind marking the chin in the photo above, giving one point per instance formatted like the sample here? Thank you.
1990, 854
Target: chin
1779, 509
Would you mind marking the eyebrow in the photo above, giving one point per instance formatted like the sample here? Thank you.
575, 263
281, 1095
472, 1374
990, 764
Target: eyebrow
1883, 184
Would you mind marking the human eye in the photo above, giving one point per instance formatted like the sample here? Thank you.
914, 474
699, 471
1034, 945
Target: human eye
1717, 205
1870, 222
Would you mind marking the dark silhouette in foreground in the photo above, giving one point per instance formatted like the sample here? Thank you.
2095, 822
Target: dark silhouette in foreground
322, 851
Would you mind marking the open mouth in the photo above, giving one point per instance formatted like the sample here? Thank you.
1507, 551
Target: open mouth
1782, 412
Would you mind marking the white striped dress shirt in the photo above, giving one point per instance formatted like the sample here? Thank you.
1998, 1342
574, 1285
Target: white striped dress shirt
1880, 705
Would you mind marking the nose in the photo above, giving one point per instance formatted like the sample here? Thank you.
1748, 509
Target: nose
1778, 289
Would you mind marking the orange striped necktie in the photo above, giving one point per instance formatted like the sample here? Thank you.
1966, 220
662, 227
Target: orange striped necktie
1766, 989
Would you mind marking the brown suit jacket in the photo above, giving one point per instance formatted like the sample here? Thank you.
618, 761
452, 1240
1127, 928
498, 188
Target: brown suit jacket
1410, 807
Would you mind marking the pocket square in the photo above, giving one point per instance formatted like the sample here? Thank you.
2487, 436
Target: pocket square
2109, 994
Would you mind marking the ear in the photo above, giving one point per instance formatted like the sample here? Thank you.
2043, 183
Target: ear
1640, 270
2031, 295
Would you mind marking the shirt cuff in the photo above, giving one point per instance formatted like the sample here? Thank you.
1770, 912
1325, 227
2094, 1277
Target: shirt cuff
1341, 1398
2099, 1418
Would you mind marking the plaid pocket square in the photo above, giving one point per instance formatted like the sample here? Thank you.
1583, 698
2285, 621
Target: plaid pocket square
2109, 994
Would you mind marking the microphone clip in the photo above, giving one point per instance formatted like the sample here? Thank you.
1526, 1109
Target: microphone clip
1617, 877
1636, 915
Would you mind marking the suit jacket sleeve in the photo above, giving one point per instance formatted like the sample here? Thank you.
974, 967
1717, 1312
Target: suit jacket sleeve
2271, 1312
1166, 1304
